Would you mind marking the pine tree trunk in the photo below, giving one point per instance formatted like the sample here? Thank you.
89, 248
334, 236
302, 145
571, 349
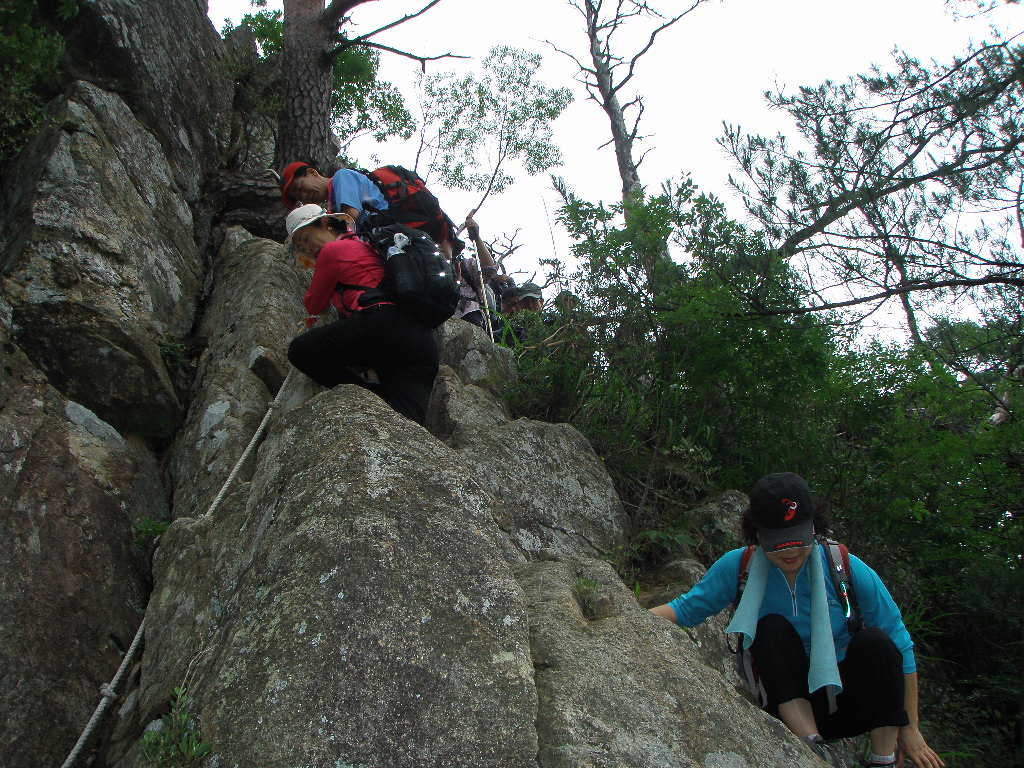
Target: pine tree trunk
304, 123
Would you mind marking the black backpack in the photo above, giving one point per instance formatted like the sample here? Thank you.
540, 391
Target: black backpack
418, 278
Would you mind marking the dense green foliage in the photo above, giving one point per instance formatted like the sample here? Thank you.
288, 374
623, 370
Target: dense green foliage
686, 387
30, 51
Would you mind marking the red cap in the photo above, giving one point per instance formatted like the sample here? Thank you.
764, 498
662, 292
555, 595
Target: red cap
287, 178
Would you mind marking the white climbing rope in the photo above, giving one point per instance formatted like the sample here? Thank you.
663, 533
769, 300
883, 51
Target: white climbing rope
252, 444
483, 298
109, 692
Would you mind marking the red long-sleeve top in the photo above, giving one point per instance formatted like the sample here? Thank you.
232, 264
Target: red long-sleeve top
346, 261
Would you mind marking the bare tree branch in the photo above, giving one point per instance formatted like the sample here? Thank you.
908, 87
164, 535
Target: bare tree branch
421, 59
333, 13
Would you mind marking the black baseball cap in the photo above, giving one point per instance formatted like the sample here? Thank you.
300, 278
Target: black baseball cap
782, 510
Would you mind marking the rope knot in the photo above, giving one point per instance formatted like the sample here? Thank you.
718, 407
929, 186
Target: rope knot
107, 692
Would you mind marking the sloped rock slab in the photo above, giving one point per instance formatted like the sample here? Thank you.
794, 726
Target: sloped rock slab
618, 687
253, 311
551, 490
355, 611
106, 278
73, 580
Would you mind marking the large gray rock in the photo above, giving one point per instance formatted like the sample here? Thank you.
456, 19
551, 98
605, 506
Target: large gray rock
476, 360
551, 491
254, 309
73, 582
456, 411
354, 610
102, 283
716, 522
169, 63
620, 687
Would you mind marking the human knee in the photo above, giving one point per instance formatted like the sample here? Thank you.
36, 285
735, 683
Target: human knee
875, 643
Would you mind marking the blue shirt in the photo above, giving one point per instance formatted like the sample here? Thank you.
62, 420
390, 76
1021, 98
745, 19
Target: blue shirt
356, 190
717, 590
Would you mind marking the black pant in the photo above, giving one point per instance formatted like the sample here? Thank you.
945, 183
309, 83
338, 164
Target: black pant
401, 349
871, 673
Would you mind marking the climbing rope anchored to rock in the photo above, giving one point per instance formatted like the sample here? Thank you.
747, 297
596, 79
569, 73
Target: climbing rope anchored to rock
108, 691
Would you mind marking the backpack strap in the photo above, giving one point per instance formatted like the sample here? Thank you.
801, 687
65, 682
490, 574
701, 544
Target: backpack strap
842, 581
741, 579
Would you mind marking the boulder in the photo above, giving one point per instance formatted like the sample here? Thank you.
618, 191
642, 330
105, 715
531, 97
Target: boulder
74, 580
551, 491
456, 411
254, 309
103, 278
354, 609
716, 522
618, 686
476, 360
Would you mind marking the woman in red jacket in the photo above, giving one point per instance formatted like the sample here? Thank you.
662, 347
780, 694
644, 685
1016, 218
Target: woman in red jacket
372, 332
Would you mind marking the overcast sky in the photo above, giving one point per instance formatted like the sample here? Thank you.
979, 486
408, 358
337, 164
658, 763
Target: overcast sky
713, 66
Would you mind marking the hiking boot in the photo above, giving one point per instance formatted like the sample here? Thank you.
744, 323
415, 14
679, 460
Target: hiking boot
825, 753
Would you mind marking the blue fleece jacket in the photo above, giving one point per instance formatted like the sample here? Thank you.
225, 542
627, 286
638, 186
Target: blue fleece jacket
717, 590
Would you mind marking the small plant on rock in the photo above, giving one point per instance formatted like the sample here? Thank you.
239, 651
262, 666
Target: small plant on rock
178, 742
148, 530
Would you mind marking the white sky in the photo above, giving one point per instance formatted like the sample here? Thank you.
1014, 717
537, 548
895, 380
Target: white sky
712, 66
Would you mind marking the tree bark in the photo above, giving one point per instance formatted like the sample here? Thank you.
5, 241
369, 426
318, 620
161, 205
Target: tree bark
304, 124
621, 138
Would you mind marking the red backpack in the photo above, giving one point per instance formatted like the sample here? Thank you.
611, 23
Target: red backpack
410, 204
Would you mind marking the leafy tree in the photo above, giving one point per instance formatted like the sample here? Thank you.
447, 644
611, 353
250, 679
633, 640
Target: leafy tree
910, 186
30, 51
474, 126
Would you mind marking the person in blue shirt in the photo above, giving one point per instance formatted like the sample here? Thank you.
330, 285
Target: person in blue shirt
787, 601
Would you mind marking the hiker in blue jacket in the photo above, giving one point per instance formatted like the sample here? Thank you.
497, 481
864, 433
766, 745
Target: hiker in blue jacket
816, 669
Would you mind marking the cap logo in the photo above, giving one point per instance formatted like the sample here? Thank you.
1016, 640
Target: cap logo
790, 509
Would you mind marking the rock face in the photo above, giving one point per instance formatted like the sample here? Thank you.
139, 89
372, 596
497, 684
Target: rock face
617, 686
355, 609
170, 64
550, 490
250, 316
106, 280
74, 581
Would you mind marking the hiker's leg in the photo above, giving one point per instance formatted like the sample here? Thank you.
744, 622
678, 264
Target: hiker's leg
872, 697
406, 362
476, 317
782, 666
324, 353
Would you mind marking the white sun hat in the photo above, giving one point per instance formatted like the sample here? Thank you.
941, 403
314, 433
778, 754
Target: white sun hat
303, 216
